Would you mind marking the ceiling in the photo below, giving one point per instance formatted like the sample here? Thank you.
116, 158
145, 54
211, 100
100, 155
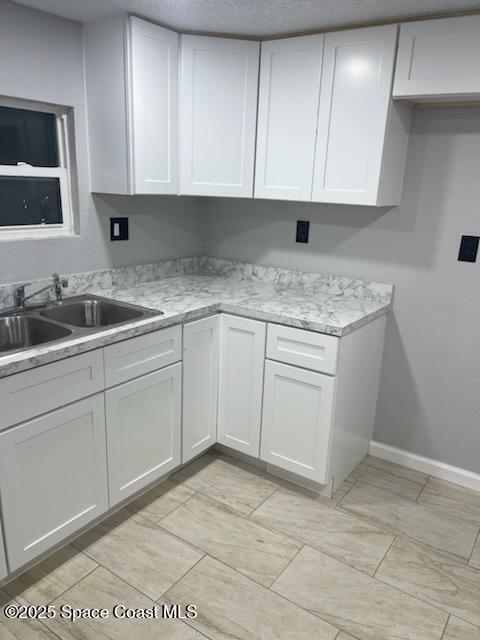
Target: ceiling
253, 17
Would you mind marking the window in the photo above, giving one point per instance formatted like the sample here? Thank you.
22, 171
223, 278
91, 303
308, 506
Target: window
35, 195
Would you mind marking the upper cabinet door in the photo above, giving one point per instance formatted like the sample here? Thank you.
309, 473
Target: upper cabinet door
153, 75
219, 80
362, 136
290, 75
131, 74
439, 59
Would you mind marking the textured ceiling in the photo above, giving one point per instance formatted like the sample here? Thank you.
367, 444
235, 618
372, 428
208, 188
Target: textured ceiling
253, 17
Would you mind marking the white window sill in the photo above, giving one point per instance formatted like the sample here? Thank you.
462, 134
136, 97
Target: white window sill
9, 235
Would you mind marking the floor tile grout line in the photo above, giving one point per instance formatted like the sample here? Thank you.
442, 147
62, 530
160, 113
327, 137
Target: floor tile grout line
175, 508
77, 581
280, 595
423, 489
445, 627
180, 578
384, 556
79, 551
424, 601
262, 502
285, 567
477, 541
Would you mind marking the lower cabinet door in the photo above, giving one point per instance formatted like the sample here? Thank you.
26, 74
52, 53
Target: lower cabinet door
53, 477
143, 430
200, 386
3, 562
297, 420
242, 357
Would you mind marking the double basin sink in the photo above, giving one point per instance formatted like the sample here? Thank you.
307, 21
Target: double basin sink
76, 316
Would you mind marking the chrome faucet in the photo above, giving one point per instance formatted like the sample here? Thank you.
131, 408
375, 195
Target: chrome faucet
57, 285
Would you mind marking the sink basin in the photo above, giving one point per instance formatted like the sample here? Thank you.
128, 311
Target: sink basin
18, 332
92, 313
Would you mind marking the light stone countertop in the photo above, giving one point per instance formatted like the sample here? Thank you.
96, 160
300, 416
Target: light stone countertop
192, 288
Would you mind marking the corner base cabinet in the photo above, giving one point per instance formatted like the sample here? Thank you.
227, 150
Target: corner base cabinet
143, 430
53, 477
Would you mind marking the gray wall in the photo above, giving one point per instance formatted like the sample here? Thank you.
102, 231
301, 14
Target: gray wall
430, 392
41, 58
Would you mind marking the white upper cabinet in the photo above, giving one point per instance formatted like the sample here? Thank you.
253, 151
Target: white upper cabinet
154, 106
439, 60
3, 562
219, 81
362, 135
290, 74
132, 104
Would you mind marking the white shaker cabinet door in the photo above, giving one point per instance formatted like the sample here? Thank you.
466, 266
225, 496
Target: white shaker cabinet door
361, 139
153, 74
218, 106
290, 75
3, 562
439, 60
143, 430
297, 420
242, 357
53, 478
200, 386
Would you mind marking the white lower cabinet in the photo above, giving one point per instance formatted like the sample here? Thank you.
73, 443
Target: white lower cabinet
53, 477
143, 430
200, 386
297, 420
3, 561
242, 357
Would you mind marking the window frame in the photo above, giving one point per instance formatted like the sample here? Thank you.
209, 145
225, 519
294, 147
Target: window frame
62, 172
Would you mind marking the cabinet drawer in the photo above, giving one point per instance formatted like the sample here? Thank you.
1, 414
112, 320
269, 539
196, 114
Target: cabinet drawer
307, 349
137, 356
31, 393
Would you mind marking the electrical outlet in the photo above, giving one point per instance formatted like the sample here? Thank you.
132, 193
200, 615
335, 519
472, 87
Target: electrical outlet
303, 227
118, 229
468, 249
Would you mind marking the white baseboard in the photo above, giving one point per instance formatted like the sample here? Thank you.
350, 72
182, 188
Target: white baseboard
465, 478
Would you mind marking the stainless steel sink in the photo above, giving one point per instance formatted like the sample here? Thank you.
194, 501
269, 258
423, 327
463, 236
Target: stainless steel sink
22, 331
92, 312
75, 317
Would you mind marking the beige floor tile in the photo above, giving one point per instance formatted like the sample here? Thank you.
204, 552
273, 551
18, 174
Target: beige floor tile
47, 580
396, 469
318, 497
475, 557
355, 602
11, 629
452, 499
344, 636
225, 481
340, 535
233, 606
390, 482
450, 585
141, 553
232, 538
418, 522
161, 500
459, 630
102, 589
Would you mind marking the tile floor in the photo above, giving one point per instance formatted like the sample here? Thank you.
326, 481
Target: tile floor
395, 555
